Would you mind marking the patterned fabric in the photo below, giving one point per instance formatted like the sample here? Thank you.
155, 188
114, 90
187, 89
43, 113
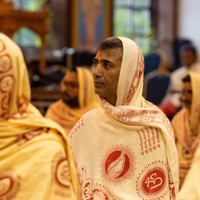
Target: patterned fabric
67, 116
126, 151
36, 160
190, 189
186, 129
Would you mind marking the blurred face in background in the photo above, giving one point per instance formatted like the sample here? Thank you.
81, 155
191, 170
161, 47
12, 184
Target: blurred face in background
186, 96
70, 89
188, 58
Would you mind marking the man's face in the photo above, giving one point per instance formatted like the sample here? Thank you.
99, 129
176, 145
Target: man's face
188, 58
186, 97
106, 70
70, 87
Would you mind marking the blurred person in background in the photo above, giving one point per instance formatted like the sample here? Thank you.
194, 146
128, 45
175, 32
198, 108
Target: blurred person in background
36, 159
77, 97
171, 102
186, 123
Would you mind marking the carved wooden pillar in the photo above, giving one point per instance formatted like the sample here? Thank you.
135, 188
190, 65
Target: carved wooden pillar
11, 20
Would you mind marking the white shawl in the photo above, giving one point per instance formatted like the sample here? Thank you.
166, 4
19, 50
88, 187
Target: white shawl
126, 151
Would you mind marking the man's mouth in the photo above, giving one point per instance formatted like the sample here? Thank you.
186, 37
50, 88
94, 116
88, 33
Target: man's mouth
98, 83
65, 96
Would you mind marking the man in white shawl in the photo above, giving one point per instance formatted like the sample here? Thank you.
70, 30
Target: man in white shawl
125, 149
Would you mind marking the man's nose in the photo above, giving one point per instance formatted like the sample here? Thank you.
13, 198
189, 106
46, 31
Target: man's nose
65, 88
97, 71
183, 97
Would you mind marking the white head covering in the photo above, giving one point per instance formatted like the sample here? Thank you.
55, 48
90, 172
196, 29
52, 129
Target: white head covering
131, 77
132, 109
131, 123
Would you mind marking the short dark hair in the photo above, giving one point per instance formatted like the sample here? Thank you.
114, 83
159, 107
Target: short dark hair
73, 69
110, 43
188, 47
187, 78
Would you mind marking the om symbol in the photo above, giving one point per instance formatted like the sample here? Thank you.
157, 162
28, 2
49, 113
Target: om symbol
154, 181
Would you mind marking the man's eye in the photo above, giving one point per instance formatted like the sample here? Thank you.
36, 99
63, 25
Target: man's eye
106, 65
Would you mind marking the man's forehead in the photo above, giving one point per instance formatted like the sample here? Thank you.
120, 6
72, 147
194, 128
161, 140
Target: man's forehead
109, 52
71, 75
187, 85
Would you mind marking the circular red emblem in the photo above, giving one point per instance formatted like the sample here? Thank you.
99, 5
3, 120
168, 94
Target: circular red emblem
153, 181
118, 164
62, 173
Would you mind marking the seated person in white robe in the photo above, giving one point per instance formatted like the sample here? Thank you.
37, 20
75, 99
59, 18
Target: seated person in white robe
124, 149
